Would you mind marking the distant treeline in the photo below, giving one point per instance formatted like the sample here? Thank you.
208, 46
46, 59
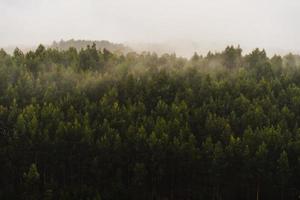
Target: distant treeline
81, 44
92, 124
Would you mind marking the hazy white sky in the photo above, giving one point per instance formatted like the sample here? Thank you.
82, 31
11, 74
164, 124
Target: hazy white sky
272, 24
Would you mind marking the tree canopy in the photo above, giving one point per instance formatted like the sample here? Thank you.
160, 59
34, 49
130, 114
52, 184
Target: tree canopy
92, 124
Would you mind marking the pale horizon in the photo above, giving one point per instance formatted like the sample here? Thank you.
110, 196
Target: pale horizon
203, 25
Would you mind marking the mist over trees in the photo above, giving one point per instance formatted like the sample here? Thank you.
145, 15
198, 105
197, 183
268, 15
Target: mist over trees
92, 124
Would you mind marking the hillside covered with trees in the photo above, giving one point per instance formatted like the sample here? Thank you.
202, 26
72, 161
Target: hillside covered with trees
82, 44
91, 124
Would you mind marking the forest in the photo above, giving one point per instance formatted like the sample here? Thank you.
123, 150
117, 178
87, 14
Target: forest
91, 124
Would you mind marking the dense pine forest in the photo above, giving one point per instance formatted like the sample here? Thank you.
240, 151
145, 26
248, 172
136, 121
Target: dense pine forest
91, 124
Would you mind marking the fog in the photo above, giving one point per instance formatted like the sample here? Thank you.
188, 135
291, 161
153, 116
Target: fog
186, 25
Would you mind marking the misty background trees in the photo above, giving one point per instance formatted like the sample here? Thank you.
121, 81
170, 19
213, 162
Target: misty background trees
92, 124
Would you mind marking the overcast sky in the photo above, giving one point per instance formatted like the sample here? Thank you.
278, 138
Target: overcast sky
270, 24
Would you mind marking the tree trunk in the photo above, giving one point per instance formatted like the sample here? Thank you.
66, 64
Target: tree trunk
282, 192
257, 189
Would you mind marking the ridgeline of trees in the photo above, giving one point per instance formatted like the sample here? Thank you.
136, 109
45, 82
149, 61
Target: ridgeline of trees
91, 124
81, 44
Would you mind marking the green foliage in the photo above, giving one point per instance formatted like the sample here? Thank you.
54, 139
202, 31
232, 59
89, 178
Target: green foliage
31, 182
92, 124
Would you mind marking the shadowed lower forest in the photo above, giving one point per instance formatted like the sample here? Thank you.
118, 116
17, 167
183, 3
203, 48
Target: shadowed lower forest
90, 124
